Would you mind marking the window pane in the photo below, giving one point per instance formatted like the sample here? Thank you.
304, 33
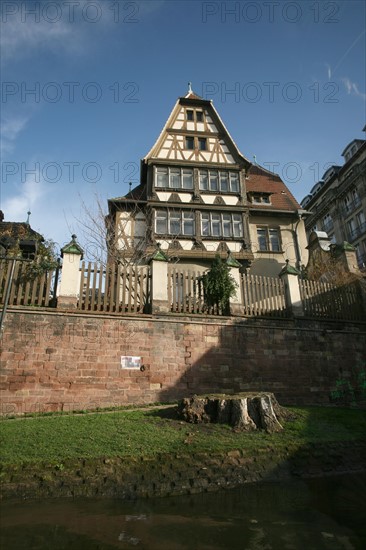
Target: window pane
188, 179
161, 222
214, 185
202, 144
238, 225
189, 114
234, 183
216, 225
224, 183
262, 239
189, 143
199, 116
175, 178
274, 240
226, 225
188, 223
174, 223
203, 180
162, 177
205, 225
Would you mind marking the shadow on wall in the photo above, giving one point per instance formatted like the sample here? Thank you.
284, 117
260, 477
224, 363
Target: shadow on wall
300, 362
268, 265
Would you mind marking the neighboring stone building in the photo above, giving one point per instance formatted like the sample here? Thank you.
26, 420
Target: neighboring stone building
18, 238
200, 196
338, 201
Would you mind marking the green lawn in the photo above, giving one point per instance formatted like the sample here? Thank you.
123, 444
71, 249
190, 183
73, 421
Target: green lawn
148, 432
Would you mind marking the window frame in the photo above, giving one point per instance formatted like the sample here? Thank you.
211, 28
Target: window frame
221, 225
185, 219
220, 176
268, 240
170, 171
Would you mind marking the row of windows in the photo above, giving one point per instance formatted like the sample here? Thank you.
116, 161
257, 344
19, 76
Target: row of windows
212, 224
209, 180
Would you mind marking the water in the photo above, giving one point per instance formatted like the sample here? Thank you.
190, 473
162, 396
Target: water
327, 513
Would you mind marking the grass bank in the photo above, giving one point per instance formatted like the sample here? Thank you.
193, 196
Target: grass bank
147, 433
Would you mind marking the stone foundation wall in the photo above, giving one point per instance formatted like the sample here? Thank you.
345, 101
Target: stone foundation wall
53, 361
169, 475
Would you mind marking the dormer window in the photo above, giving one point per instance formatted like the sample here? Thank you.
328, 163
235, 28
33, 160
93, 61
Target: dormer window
260, 198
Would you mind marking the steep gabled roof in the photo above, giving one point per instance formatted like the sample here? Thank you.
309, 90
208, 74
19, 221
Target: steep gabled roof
261, 180
208, 104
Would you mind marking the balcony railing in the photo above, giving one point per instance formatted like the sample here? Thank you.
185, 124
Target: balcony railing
351, 206
357, 232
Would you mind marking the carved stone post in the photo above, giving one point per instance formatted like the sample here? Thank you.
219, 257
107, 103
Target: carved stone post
290, 277
159, 282
236, 301
71, 255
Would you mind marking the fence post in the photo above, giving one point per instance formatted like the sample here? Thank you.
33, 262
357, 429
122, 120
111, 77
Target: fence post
71, 255
159, 282
290, 277
236, 301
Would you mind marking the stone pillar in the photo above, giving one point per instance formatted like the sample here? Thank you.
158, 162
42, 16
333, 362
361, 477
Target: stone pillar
236, 301
68, 292
159, 282
290, 277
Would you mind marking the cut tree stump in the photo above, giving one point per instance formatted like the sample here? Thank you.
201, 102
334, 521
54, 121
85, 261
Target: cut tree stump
249, 411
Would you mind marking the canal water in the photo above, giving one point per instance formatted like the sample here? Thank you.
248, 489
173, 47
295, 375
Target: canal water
327, 513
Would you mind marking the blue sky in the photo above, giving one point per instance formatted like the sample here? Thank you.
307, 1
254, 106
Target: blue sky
288, 79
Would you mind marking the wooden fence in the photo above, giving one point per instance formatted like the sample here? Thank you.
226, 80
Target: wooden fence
321, 299
26, 289
185, 291
114, 288
263, 296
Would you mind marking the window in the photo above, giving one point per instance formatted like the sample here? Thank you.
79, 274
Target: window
214, 180
260, 198
174, 177
328, 223
214, 224
189, 114
268, 239
174, 222
199, 116
189, 143
202, 144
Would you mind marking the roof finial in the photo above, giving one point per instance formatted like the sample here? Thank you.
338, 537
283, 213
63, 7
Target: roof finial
190, 87
255, 159
29, 213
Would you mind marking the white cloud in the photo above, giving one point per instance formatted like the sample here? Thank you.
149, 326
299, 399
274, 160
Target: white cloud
10, 129
29, 194
329, 71
352, 88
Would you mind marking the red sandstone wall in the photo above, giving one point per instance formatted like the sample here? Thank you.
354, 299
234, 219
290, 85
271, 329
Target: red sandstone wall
55, 361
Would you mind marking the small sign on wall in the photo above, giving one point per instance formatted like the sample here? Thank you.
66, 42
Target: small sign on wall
130, 362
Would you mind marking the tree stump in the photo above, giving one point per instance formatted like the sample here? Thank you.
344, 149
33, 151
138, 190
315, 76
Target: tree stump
260, 411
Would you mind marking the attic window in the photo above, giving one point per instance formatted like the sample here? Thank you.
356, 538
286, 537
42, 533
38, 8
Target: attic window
189, 143
189, 114
199, 116
202, 144
259, 198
